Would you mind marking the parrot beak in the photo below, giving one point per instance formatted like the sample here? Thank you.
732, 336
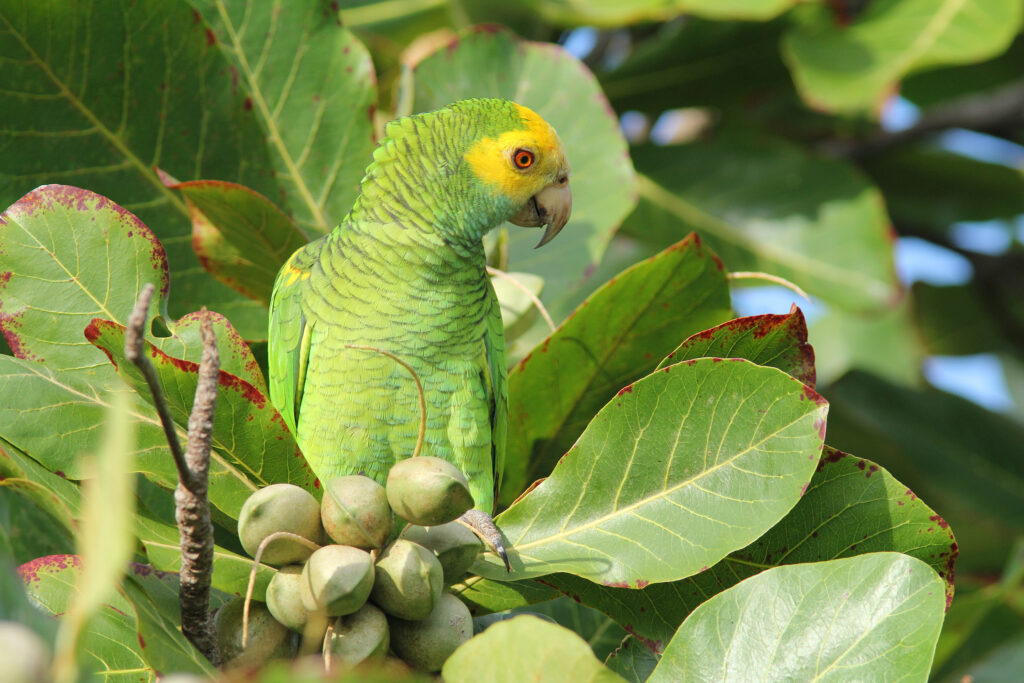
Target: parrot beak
550, 206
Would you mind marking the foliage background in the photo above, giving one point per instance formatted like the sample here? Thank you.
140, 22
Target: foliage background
868, 151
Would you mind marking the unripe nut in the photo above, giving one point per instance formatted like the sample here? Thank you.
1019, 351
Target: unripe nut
267, 637
337, 578
284, 598
279, 507
428, 491
454, 544
409, 580
426, 644
357, 636
355, 512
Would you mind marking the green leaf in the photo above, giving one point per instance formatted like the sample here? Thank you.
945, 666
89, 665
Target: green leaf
695, 63
851, 507
27, 530
600, 632
526, 648
489, 62
59, 244
933, 188
71, 255
484, 596
309, 84
614, 13
633, 660
678, 470
248, 432
778, 341
105, 542
239, 236
101, 93
765, 205
41, 425
845, 68
518, 312
53, 494
874, 617
958, 456
980, 320
615, 337
230, 570
938, 86
111, 646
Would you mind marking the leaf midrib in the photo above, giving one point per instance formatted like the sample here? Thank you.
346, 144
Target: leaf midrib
663, 492
110, 136
273, 132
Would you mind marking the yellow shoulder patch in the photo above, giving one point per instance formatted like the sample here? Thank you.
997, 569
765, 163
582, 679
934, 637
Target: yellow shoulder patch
289, 273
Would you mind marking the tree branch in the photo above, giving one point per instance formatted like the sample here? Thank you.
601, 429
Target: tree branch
192, 507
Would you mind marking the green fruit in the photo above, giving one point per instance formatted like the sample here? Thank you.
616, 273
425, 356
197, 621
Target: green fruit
284, 598
355, 512
338, 579
25, 655
408, 582
428, 491
357, 637
455, 546
267, 638
426, 644
280, 507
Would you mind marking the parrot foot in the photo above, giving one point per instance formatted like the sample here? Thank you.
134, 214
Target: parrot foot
482, 524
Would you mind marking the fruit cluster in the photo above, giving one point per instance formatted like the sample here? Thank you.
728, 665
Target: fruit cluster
366, 593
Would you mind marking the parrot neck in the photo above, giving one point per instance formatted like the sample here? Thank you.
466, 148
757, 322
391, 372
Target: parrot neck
418, 180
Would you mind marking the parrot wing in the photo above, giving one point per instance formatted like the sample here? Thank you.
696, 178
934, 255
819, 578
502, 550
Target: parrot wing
290, 333
497, 380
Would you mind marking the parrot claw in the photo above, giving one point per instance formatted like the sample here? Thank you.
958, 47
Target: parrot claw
481, 523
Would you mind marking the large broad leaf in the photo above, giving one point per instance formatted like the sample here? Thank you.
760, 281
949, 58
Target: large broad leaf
248, 432
778, 341
310, 85
600, 632
765, 205
851, 507
53, 494
875, 617
678, 470
240, 237
114, 645
698, 63
848, 68
100, 93
613, 13
615, 337
633, 660
526, 649
933, 188
487, 62
43, 425
71, 255
964, 460
484, 596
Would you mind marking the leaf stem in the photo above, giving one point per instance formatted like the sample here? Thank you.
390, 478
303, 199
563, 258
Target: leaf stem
755, 275
526, 290
256, 565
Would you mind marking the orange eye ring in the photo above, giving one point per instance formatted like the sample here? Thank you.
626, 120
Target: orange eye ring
522, 158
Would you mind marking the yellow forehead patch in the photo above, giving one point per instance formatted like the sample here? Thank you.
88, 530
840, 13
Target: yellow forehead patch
489, 160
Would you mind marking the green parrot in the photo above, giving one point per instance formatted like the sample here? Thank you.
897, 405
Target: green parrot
405, 272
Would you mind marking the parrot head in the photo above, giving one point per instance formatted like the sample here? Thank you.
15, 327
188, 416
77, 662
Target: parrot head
526, 165
471, 166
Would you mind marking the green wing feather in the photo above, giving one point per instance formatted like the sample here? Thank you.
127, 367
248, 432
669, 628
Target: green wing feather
494, 346
290, 333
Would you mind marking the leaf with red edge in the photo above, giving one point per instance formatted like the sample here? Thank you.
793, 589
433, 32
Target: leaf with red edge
248, 432
240, 237
778, 341
117, 642
615, 337
851, 507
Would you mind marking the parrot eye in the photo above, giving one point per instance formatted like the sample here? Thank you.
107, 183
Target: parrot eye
522, 158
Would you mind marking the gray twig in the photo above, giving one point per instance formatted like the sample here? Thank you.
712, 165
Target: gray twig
192, 507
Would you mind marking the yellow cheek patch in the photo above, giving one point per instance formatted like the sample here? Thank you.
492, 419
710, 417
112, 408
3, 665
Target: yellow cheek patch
489, 159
